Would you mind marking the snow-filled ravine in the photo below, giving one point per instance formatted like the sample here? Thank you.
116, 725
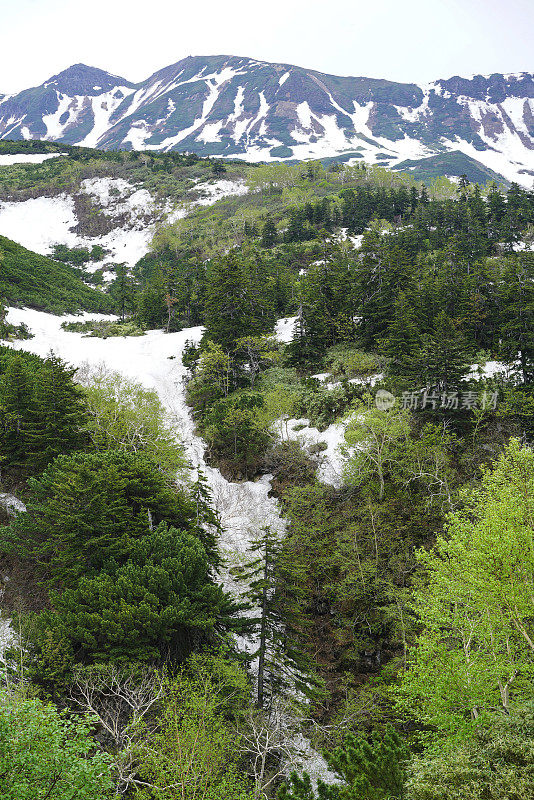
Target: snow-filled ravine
155, 361
40, 223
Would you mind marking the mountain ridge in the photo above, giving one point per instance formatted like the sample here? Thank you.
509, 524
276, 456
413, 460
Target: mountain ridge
236, 106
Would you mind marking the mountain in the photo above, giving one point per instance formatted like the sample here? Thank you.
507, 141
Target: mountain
240, 107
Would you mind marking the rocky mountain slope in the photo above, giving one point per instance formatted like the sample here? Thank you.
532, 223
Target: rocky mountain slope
230, 106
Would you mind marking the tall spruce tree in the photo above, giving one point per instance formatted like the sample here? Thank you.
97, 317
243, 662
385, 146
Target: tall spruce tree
281, 665
57, 419
16, 403
229, 312
403, 341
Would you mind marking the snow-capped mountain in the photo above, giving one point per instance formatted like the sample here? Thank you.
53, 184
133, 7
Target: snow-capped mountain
239, 107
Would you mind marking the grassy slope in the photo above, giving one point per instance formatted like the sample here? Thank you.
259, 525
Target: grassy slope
28, 279
454, 163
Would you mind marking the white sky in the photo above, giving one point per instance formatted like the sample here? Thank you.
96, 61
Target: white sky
403, 40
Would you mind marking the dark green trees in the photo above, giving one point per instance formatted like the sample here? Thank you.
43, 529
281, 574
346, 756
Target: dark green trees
160, 603
370, 769
130, 562
42, 411
87, 509
229, 307
516, 298
16, 390
58, 415
237, 303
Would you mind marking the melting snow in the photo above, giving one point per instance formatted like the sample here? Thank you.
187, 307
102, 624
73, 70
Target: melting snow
23, 158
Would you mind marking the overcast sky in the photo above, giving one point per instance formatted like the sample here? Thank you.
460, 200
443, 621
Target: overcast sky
403, 40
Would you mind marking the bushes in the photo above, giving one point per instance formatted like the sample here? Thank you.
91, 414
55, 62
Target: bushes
104, 328
347, 361
159, 604
492, 762
45, 754
290, 465
123, 415
86, 510
235, 433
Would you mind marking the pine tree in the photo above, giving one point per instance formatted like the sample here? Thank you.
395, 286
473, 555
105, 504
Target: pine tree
87, 508
269, 235
403, 341
444, 357
122, 290
228, 306
516, 301
16, 392
370, 769
57, 418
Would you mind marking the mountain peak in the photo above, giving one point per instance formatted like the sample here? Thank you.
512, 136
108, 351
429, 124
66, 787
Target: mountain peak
236, 106
81, 79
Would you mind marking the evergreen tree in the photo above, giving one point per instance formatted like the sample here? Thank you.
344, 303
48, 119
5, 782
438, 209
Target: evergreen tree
57, 419
122, 290
516, 300
444, 356
269, 235
229, 310
160, 603
370, 769
16, 404
403, 342
86, 509
281, 666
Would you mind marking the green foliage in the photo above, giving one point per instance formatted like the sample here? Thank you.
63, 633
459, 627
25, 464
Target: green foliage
235, 305
103, 328
369, 770
193, 754
160, 603
493, 761
475, 650
348, 361
235, 432
282, 668
36, 281
42, 411
87, 509
122, 415
45, 754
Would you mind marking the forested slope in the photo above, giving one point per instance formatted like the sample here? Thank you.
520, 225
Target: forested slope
367, 355
28, 279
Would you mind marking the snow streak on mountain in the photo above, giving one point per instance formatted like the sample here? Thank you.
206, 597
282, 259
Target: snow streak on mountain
239, 107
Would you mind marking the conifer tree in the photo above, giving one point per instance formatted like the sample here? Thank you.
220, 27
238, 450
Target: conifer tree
370, 769
403, 342
87, 508
228, 302
280, 664
57, 418
516, 296
16, 392
269, 235
444, 356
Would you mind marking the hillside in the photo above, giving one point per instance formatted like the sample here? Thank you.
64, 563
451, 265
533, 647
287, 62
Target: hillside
29, 279
240, 107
